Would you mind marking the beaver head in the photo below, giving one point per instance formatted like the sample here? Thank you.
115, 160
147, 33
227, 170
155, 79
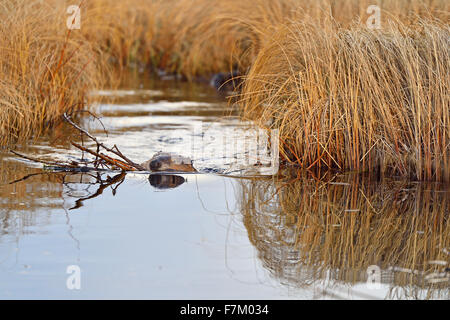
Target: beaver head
229, 81
164, 161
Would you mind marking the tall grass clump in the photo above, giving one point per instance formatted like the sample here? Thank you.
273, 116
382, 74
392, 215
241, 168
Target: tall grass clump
45, 70
357, 99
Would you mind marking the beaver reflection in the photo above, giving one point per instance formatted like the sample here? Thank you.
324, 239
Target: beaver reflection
163, 182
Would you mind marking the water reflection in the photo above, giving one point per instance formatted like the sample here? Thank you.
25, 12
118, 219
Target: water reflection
19, 201
164, 182
331, 230
320, 233
80, 186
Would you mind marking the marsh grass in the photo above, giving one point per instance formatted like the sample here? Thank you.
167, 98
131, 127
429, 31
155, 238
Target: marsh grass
44, 69
357, 99
342, 95
312, 226
200, 37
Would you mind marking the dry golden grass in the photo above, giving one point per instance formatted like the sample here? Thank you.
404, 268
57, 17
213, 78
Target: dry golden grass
189, 37
198, 37
308, 227
44, 69
357, 99
343, 96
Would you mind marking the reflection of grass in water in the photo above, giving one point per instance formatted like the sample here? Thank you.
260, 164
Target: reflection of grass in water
28, 195
304, 228
19, 202
45, 184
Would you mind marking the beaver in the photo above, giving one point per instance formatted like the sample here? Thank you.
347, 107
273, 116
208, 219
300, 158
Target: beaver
223, 82
226, 81
166, 161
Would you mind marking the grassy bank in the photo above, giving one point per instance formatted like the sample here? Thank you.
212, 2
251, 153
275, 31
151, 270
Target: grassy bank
342, 95
44, 70
356, 99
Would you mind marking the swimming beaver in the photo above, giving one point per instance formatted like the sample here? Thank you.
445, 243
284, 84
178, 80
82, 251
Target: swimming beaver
226, 81
166, 161
223, 82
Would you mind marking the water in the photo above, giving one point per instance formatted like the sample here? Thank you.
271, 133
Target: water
236, 232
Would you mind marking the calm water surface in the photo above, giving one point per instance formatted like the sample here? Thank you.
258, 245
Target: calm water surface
232, 232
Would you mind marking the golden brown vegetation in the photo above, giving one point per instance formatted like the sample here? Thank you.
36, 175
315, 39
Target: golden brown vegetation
44, 69
198, 37
310, 227
357, 99
342, 95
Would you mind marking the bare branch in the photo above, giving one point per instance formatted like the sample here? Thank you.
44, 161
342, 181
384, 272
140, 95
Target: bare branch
115, 150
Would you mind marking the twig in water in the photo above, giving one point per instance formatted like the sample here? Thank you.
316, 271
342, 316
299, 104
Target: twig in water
115, 150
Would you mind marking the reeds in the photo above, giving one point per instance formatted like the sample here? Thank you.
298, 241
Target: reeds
44, 69
200, 37
357, 99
